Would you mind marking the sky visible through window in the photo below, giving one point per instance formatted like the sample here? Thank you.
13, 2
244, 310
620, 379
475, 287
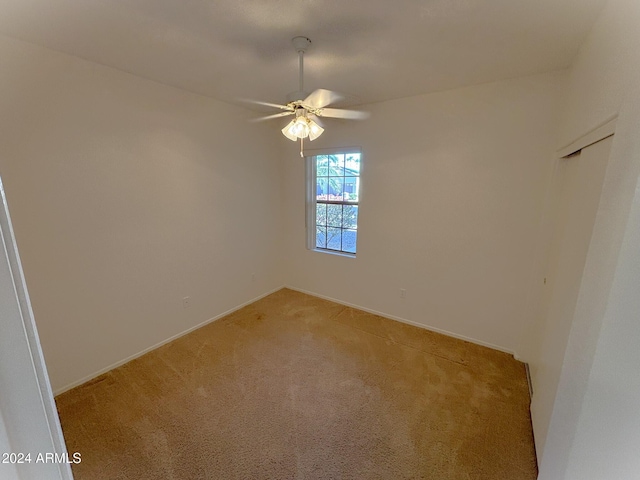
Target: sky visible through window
337, 192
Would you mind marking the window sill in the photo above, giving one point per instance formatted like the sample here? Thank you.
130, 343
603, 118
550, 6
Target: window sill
332, 252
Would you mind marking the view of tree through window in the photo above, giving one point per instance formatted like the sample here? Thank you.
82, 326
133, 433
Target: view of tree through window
337, 190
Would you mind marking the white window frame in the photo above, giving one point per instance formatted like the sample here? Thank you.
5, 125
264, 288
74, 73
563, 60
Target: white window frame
310, 213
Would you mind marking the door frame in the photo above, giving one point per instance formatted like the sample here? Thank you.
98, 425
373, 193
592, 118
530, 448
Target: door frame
27, 407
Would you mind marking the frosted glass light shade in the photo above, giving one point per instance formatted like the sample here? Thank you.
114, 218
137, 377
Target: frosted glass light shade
288, 131
315, 130
301, 127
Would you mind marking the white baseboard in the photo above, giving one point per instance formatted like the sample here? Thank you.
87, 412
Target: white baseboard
409, 322
153, 347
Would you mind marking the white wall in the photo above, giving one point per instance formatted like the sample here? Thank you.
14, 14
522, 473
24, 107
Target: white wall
127, 196
594, 420
453, 185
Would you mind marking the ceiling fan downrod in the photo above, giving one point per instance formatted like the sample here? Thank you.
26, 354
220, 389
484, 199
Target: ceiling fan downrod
301, 44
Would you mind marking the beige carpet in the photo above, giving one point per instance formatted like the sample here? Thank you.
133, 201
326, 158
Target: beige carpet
295, 387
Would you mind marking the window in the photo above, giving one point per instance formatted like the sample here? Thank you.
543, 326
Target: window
332, 205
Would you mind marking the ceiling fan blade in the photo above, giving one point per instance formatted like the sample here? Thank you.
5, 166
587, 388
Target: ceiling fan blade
339, 113
316, 119
321, 98
266, 104
269, 117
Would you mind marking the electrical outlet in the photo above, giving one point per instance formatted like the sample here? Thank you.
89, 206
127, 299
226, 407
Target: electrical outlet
403, 293
186, 302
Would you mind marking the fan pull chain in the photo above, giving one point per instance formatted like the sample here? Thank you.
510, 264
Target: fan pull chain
302, 147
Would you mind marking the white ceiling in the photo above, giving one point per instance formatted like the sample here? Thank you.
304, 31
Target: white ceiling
373, 50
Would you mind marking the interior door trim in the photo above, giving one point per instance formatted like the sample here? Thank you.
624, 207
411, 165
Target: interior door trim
602, 131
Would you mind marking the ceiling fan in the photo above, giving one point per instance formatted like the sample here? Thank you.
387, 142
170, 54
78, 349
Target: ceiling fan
308, 107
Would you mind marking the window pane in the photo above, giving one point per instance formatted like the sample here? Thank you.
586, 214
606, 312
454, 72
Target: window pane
352, 164
349, 238
334, 238
334, 215
336, 187
321, 237
351, 185
321, 214
322, 188
336, 165
322, 165
350, 216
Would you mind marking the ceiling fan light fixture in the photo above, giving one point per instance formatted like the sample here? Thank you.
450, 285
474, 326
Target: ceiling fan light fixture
308, 106
302, 127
